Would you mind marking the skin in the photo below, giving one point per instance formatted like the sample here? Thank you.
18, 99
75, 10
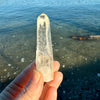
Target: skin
29, 85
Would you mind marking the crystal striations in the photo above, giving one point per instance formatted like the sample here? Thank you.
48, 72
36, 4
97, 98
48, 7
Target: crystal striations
44, 53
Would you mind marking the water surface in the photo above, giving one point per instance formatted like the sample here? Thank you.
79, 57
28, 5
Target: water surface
80, 60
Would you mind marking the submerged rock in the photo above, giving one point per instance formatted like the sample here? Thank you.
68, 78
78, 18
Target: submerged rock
22, 59
98, 74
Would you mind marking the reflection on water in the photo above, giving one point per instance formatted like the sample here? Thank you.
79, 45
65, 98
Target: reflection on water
80, 60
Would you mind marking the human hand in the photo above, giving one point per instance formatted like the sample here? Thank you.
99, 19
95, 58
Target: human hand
29, 85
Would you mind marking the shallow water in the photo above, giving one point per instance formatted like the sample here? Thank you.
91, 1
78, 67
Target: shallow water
80, 60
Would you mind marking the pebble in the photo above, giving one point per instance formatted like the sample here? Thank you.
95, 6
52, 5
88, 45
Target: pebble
64, 91
5, 70
61, 38
98, 74
22, 59
86, 59
8, 74
9, 65
15, 73
63, 66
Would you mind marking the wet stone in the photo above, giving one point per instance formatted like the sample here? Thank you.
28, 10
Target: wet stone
9, 65
22, 59
5, 70
98, 74
8, 74
63, 66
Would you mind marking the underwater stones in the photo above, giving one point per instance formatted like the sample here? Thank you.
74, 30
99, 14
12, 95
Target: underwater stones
44, 53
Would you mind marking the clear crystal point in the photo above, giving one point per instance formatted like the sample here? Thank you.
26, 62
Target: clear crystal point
44, 53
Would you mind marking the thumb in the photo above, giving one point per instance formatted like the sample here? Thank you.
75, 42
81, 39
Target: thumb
34, 88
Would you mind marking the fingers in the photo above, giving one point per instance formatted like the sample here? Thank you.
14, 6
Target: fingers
56, 65
51, 94
17, 85
58, 77
34, 88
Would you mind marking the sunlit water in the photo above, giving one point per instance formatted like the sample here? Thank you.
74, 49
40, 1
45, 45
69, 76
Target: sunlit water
80, 60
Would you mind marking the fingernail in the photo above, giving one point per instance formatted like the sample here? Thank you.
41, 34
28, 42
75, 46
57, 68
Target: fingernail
36, 76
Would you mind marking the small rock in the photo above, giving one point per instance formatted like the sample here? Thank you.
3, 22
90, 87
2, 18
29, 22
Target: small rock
22, 59
86, 59
9, 65
8, 74
61, 38
15, 73
5, 70
98, 74
64, 91
63, 66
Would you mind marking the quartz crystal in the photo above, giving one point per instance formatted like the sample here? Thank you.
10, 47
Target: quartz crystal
44, 53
